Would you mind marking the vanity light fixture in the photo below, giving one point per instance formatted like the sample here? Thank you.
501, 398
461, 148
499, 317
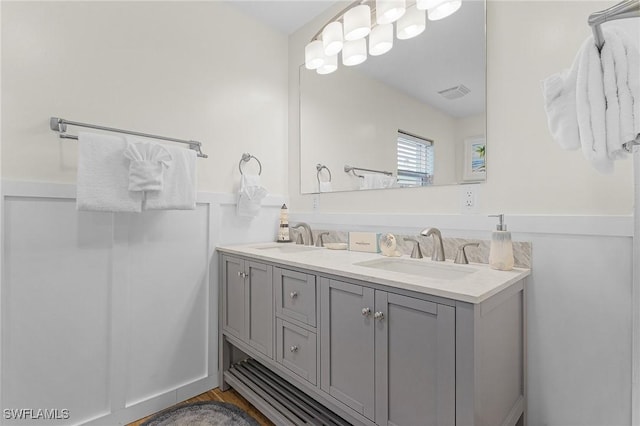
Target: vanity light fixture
346, 33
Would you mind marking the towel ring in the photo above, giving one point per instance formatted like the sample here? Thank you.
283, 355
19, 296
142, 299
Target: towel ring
246, 157
319, 168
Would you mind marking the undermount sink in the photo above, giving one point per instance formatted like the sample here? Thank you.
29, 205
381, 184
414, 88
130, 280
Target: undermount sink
422, 268
289, 248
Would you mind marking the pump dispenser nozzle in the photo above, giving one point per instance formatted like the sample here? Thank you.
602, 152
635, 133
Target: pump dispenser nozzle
500, 226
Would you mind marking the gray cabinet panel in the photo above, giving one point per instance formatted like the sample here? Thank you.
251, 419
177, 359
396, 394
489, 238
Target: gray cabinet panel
347, 339
296, 350
415, 362
296, 295
259, 307
233, 294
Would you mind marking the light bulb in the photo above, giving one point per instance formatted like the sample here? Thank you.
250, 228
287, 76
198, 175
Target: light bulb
357, 22
354, 52
444, 9
411, 24
388, 11
332, 39
330, 65
380, 39
313, 55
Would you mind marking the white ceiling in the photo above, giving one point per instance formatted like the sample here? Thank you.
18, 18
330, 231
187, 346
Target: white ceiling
286, 16
448, 53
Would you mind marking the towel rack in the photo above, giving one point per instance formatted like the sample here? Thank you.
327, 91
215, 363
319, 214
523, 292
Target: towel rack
246, 157
352, 169
60, 125
319, 168
622, 10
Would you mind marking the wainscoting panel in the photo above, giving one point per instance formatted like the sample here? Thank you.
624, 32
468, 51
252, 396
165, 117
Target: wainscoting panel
111, 316
168, 300
56, 298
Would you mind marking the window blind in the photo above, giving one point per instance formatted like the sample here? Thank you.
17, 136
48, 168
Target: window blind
415, 160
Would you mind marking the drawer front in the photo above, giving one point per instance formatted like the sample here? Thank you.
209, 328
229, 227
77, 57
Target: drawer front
297, 350
296, 295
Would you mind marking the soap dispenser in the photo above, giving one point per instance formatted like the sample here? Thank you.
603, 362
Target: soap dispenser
501, 250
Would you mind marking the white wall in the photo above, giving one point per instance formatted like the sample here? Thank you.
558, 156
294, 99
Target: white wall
528, 173
351, 118
178, 69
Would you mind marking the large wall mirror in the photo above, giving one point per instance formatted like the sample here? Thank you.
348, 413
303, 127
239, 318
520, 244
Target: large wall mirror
415, 116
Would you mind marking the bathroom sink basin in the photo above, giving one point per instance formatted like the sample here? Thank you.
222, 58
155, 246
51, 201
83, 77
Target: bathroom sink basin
288, 248
422, 268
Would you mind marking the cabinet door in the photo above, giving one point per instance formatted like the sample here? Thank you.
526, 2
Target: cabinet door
415, 361
259, 307
347, 344
233, 296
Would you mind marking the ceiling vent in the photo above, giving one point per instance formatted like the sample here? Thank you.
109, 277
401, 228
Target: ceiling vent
455, 92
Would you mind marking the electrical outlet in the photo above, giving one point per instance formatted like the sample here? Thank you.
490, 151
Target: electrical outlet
468, 198
316, 202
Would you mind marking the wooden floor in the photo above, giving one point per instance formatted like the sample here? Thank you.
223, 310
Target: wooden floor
229, 396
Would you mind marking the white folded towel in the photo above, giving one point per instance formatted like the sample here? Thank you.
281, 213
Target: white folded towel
250, 196
147, 163
325, 187
103, 175
377, 181
179, 187
621, 75
595, 105
591, 108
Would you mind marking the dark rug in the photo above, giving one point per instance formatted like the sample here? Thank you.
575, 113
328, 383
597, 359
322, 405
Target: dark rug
202, 414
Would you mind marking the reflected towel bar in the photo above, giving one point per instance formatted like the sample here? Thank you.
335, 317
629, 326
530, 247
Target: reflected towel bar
319, 168
60, 125
352, 169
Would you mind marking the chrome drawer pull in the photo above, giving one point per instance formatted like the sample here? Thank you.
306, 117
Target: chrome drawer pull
293, 294
379, 316
293, 349
366, 312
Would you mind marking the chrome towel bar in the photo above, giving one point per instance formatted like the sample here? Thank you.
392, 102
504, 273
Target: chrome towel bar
60, 125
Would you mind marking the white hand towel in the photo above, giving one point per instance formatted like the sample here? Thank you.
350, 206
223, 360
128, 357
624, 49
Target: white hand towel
103, 175
250, 196
559, 91
147, 163
325, 187
179, 188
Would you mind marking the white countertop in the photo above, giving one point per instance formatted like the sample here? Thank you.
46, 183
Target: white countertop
473, 287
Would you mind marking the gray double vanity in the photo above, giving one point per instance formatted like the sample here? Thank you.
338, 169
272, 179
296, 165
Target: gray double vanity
317, 336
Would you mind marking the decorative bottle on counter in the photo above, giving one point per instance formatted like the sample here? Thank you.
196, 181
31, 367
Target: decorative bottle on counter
501, 250
283, 230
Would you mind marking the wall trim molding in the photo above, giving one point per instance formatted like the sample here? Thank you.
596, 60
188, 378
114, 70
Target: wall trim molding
612, 226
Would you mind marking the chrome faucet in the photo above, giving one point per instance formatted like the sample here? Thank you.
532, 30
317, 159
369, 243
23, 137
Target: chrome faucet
309, 240
438, 249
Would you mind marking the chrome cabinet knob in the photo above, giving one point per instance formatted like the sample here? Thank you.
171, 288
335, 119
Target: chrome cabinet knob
293, 294
239, 273
293, 349
379, 316
366, 312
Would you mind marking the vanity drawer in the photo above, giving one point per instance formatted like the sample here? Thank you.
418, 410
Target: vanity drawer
296, 350
296, 295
